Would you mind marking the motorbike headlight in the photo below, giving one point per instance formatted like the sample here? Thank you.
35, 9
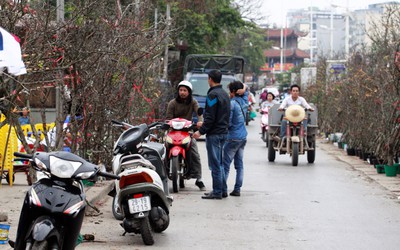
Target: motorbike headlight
62, 168
40, 165
168, 139
178, 125
186, 141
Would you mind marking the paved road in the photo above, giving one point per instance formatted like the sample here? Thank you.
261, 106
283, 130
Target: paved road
326, 205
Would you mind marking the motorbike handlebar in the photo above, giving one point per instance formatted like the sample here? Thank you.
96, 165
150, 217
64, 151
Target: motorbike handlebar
116, 122
107, 175
154, 124
22, 155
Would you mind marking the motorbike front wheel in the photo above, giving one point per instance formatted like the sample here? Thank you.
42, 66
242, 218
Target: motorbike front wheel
40, 245
295, 153
174, 164
116, 210
146, 232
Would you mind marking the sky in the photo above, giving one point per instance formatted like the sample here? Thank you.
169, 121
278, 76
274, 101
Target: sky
276, 10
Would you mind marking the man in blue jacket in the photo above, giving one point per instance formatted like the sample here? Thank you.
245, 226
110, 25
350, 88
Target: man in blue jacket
215, 125
237, 133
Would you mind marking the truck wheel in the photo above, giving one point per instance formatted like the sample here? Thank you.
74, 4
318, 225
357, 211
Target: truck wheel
311, 156
271, 151
295, 153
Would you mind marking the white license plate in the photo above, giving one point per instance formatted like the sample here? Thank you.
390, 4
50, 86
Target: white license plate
139, 204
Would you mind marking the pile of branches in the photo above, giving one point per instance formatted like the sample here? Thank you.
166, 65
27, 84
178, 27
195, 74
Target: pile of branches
102, 57
365, 104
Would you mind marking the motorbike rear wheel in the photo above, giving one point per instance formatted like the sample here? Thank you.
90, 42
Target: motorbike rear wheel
146, 231
159, 219
174, 164
295, 153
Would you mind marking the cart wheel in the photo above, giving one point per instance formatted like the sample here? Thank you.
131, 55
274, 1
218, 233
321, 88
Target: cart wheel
8, 179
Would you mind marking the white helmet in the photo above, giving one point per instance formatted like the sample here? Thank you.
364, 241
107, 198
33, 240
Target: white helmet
186, 84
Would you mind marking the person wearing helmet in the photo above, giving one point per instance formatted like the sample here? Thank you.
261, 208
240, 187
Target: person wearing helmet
183, 106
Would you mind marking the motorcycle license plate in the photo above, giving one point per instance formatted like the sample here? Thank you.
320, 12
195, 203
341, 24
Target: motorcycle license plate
139, 204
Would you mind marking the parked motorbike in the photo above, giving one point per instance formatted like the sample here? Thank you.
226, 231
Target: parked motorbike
178, 142
54, 207
141, 197
295, 141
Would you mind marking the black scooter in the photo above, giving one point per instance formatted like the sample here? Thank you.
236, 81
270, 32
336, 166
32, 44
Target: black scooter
54, 207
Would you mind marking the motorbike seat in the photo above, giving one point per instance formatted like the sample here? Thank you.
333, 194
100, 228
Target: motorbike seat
156, 146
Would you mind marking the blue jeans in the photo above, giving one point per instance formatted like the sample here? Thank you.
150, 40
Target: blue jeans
233, 151
284, 124
214, 145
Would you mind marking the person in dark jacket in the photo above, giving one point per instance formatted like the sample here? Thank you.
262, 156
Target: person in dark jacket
183, 106
215, 126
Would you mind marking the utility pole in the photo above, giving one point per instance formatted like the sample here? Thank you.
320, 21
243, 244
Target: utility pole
311, 36
281, 59
165, 72
331, 35
60, 19
347, 36
60, 11
59, 100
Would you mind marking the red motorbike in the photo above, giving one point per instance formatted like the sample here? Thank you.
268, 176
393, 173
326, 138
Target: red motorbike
178, 142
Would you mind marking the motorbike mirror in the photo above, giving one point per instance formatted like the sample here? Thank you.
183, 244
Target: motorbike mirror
200, 111
164, 126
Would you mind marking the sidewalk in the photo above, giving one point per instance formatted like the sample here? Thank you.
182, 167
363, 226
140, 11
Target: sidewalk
390, 183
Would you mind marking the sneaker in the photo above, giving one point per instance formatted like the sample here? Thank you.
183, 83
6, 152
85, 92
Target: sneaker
201, 185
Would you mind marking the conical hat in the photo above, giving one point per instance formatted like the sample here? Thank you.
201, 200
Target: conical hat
295, 113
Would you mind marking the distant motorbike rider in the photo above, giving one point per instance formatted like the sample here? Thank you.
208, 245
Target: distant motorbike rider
292, 99
183, 106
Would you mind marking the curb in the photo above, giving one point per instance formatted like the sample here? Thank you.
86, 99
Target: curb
97, 192
391, 184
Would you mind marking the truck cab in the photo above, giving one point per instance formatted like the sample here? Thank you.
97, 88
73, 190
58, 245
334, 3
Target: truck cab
196, 70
